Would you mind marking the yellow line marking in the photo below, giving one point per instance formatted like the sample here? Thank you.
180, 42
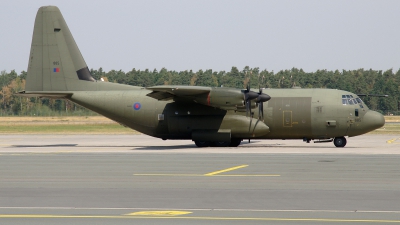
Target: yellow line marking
225, 170
391, 141
214, 174
203, 175
158, 213
202, 218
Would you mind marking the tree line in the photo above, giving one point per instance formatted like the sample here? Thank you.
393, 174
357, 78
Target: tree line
359, 81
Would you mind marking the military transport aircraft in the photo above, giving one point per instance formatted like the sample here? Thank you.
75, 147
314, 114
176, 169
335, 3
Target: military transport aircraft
207, 115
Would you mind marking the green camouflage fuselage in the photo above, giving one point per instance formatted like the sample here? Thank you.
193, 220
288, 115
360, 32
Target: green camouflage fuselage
290, 114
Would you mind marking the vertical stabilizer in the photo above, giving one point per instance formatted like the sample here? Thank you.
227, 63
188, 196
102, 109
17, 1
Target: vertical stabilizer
55, 62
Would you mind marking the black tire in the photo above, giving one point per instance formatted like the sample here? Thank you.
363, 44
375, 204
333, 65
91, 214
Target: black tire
235, 142
202, 144
340, 142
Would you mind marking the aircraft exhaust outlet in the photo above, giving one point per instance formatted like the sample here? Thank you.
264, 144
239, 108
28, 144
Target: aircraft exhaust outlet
331, 123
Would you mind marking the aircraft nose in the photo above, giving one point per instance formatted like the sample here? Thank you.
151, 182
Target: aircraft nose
374, 120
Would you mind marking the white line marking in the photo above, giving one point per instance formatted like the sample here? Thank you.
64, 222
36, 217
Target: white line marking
233, 210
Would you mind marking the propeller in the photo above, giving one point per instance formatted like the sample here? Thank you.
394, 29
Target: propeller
259, 98
248, 96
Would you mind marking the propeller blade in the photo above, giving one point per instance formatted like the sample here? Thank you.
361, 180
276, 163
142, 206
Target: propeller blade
248, 108
261, 98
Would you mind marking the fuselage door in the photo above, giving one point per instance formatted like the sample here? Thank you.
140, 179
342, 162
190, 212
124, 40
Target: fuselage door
287, 118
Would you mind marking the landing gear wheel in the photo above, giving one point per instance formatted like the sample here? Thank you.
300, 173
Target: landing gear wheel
340, 142
235, 142
220, 144
202, 144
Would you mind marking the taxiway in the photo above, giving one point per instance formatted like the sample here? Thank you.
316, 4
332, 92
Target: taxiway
124, 179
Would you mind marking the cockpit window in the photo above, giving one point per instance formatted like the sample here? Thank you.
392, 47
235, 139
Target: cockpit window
350, 100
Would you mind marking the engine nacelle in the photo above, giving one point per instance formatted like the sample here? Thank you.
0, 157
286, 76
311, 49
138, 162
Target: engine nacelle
223, 98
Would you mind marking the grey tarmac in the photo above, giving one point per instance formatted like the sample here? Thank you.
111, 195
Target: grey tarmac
125, 179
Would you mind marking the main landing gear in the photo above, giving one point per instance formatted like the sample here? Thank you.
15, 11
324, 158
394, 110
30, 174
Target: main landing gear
233, 143
340, 142
202, 144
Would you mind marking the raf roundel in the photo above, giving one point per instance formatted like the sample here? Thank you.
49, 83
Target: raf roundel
137, 106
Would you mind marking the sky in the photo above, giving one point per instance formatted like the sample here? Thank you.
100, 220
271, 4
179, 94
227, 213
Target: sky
215, 34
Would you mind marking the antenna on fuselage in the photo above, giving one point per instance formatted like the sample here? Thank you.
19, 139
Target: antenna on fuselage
372, 95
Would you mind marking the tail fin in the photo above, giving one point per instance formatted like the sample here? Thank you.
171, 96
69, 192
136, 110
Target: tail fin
55, 62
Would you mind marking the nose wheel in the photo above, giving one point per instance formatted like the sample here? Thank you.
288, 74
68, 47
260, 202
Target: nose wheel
340, 142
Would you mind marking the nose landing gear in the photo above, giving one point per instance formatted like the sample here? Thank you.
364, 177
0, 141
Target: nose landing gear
340, 142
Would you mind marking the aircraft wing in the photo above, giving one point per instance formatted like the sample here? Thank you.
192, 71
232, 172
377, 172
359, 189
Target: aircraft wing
167, 92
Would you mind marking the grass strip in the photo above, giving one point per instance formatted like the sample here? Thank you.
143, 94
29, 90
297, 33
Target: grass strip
66, 129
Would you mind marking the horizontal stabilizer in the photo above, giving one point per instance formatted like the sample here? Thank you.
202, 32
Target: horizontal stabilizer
46, 94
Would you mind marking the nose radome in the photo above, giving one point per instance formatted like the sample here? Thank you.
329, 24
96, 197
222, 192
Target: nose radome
374, 120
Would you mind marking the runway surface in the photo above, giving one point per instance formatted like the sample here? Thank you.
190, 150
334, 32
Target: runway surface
125, 179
